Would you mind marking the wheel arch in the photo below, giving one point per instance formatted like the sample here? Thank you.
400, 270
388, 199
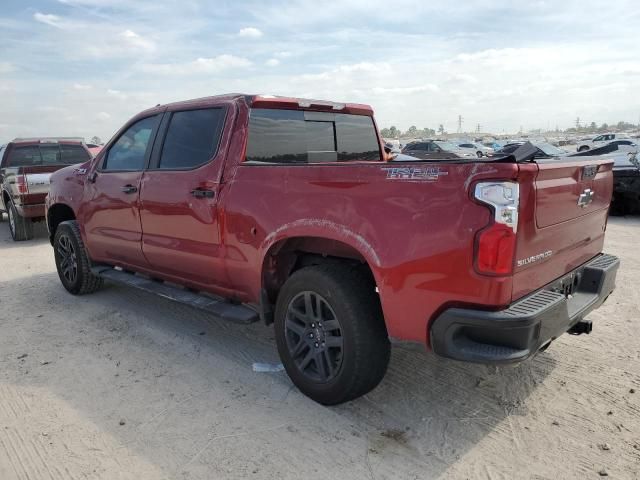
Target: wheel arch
56, 214
287, 255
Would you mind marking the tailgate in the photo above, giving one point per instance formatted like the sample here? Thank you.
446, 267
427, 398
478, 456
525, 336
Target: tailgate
563, 215
37, 179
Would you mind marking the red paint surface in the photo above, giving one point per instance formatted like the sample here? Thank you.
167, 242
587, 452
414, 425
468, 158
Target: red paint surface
417, 236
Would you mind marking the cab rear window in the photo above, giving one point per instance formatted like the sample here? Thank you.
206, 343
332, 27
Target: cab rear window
29, 155
295, 136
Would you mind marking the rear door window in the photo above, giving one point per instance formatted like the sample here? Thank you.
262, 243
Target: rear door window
295, 136
192, 138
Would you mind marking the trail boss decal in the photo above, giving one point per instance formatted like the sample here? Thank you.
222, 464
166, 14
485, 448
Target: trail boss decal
534, 258
427, 174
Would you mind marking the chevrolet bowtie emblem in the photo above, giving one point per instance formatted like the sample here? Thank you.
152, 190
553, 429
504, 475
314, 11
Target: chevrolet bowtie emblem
586, 197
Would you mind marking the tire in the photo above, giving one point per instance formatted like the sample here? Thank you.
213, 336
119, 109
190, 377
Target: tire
21, 228
349, 351
72, 260
479, 154
583, 148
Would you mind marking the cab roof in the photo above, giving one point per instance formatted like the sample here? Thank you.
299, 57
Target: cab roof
275, 102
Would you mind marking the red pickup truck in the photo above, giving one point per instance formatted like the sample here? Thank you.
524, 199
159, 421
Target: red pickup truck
288, 210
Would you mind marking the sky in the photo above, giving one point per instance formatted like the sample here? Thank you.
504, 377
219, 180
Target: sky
84, 67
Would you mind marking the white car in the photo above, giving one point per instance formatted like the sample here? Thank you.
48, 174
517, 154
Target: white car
602, 140
479, 149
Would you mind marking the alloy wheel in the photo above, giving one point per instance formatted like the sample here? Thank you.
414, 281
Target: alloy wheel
68, 259
314, 337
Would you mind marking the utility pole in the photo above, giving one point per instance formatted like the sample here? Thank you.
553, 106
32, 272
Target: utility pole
478, 128
578, 123
460, 119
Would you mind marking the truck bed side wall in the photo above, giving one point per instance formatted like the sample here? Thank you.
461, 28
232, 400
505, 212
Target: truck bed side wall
417, 235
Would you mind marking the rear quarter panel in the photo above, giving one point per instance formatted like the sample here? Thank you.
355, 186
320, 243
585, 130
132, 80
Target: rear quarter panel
417, 234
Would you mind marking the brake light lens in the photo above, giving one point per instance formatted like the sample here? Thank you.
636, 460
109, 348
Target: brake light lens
21, 184
496, 244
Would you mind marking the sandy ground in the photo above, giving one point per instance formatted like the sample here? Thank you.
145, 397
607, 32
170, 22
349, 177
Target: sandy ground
124, 385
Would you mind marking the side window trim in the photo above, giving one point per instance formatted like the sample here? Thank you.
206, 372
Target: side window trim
147, 154
163, 130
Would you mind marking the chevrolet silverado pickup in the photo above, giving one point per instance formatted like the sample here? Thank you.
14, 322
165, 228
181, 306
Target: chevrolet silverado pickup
25, 167
288, 211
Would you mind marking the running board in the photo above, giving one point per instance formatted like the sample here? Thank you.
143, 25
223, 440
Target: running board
209, 303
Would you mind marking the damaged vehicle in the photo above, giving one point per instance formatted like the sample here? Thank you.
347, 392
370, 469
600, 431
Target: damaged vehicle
288, 211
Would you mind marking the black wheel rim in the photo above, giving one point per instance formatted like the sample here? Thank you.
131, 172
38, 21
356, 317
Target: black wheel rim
314, 337
67, 258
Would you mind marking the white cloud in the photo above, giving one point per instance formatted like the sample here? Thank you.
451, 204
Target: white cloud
49, 19
283, 54
116, 94
82, 86
272, 62
250, 32
6, 67
429, 87
134, 40
200, 65
103, 116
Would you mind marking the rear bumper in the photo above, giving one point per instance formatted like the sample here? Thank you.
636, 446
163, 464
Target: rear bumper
520, 331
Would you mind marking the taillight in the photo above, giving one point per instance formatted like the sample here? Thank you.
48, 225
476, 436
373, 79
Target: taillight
496, 244
22, 185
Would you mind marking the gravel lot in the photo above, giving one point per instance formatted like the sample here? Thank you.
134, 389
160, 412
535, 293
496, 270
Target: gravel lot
125, 385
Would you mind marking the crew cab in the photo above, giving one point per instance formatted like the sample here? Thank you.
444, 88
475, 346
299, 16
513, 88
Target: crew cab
25, 167
288, 211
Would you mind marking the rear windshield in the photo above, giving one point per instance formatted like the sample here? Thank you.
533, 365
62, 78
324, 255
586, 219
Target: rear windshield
295, 136
54, 154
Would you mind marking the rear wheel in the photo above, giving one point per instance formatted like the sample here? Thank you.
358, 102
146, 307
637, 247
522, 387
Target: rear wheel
21, 228
583, 148
72, 260
331, 334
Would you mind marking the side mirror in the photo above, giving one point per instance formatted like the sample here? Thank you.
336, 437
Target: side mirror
387, 149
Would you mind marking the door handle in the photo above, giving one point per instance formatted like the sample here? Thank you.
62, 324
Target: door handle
202, 193
129, 189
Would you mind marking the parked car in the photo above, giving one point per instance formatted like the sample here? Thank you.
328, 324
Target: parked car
601, 140
436, 150
25, 167
543, 149
479, 149
284, 210
626, 182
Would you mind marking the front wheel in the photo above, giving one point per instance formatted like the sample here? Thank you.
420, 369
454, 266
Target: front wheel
72, 260
331, 334
583, 148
